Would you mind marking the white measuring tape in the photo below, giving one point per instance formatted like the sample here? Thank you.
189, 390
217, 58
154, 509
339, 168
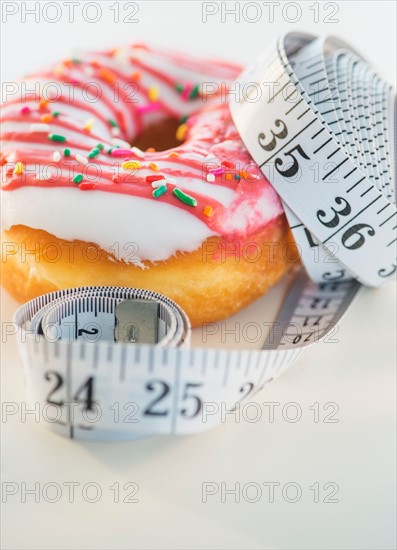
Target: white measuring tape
112, 363
90, 386
322, 129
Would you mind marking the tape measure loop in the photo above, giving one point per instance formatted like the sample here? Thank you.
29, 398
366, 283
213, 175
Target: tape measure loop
100, 387
324, 137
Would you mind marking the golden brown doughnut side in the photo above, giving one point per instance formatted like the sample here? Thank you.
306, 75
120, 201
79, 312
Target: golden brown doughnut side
211, 283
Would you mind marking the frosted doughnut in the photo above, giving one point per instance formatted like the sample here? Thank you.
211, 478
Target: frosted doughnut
90, 199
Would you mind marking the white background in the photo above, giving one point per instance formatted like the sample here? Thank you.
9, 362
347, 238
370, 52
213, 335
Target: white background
357, 373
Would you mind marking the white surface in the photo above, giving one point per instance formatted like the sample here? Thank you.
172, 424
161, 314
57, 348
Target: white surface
357, 452
357, 373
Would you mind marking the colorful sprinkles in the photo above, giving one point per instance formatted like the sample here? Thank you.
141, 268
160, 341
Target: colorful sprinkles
89, 124
94, 152
188, 90
159, 191
131, 165
159, 183
117, 152
57, 137
81, 160
43, 103
153, 94
107, 75
19, 169
183, 197
39, 128
137, 152
217, 171
151, 179
181, 132
86, 186
113, 123
195, 91
78, 178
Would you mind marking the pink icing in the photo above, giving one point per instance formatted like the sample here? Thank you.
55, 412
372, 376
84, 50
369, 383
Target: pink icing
211, 145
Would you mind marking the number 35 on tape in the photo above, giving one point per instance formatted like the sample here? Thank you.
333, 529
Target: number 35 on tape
320, 123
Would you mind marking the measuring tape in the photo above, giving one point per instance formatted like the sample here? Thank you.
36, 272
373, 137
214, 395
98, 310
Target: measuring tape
114, 363
321, 125
92, 385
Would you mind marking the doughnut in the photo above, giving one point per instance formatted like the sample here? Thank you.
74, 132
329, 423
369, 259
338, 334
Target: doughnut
124, 168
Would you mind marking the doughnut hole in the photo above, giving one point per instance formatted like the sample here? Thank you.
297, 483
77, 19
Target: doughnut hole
159, 135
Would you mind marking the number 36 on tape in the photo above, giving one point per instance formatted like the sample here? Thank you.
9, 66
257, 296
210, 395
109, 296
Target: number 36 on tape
320, 123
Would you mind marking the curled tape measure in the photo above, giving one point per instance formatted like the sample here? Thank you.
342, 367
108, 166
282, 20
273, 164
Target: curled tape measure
322, 130
81, 366
114, 363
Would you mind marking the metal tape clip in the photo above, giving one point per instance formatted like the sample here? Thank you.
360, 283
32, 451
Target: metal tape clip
137, 322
